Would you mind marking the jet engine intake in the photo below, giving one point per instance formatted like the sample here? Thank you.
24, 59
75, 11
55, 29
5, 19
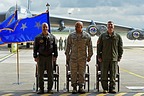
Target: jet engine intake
96, 29
135, 34
61, 25
101, 29
92, 30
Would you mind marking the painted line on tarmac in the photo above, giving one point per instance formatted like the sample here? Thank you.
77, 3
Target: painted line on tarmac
28, 94
5, 57
46, 95
139, 94
9, 94
137, 75
120, 94
70, 94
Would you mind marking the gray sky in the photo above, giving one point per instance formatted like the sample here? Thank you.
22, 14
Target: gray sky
122, 12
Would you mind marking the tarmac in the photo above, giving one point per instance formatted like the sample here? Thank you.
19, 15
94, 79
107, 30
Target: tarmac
17, 73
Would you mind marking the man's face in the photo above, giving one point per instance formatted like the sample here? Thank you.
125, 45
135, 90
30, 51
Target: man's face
110, 27
78, 27
45, 28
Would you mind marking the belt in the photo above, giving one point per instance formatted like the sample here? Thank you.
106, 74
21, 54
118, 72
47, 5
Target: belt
45, 55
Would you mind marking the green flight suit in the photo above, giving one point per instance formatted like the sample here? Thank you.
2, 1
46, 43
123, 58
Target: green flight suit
45, 48
110, 50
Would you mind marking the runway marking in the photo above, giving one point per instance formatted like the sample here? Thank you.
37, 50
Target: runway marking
8, 94
101, 94
137, 75
86, 94
70, 94
135, 87
65, 94
138, 94
29, 94
5, 57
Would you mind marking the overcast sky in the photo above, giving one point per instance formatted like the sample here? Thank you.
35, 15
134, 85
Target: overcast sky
122, 12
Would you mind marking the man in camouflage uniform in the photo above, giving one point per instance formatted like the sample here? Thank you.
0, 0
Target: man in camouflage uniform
45, 53
78, 52
109, 52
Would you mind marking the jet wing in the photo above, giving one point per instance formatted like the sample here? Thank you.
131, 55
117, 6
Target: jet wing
56, 21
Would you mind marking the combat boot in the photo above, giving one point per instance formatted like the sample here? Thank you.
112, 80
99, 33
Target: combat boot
81, 90
41, 91
74, 91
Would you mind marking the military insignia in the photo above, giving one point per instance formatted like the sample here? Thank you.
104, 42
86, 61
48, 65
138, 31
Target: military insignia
41, 41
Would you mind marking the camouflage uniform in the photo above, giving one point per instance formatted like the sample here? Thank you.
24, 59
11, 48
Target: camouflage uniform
79, 48
45, 48
110, 50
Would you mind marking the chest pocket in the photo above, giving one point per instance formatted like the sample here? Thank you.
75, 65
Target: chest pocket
107, 40
41, 44
74, 40
51, 41
83, 41
79, 41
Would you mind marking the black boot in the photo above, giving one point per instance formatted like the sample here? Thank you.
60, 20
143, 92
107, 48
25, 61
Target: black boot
41, 91
81, 90
74, 91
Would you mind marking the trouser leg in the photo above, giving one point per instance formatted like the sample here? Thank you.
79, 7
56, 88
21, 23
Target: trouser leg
113, 69
73, 68
41, 73
49, 68
104, 75
81, 73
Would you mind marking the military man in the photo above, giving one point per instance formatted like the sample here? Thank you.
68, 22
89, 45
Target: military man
109, 52
60, 44
45, 53
78, 52
65, 42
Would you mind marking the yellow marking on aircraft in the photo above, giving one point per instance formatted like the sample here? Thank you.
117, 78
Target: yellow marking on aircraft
8, 94
132, 73
29, 94
138, 94
120, 94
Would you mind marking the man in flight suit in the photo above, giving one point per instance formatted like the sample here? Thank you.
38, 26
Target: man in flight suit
45, 53
109, 52
78, 52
